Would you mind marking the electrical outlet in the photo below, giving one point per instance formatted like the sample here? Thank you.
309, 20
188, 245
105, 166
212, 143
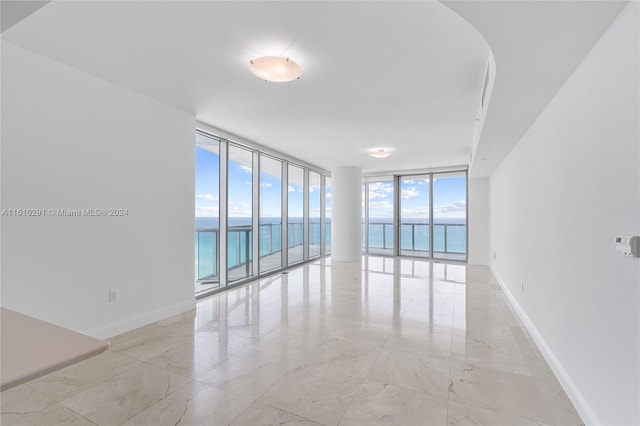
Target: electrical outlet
494, 255
522, 286
113, 296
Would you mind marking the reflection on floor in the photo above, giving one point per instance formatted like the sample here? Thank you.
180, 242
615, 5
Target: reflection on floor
267, 263
394, 341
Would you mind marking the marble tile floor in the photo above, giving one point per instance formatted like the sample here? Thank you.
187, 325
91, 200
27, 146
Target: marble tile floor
389, 342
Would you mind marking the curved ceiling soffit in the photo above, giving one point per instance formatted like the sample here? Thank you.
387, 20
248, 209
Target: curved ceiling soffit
534, 64
487, 88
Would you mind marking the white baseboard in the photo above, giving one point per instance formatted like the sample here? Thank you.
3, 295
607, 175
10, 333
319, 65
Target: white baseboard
579, 402
122, 326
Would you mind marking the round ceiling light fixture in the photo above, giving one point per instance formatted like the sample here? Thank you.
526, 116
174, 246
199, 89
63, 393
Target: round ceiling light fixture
380, 153
277, 69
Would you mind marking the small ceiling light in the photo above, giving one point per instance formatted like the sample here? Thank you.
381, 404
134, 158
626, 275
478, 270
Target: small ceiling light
276, 69
380, 153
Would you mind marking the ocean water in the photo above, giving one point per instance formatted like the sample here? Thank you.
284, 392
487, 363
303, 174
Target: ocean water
240, 240
449, 235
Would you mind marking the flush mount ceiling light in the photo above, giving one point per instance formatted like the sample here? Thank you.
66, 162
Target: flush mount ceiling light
277, 69
380, 153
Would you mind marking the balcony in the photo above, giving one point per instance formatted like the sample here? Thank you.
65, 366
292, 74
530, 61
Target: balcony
449, 240
240, 251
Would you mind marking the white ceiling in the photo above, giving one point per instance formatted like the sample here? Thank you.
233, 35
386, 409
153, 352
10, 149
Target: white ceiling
536, 45
403, 75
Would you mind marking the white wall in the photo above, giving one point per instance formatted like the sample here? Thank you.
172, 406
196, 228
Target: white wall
478, 222
556, 204
73, 141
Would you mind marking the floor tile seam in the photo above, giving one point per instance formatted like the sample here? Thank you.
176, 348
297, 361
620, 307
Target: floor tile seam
26, 385
186, 375
366, 375
353, 398
153, 404
239, 414
209, 384
287, 371
539, 397
73, 411
202, 383
167, 371
74, 394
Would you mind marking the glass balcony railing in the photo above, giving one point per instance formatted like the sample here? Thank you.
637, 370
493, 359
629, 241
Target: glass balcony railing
240, 247
207, 249
447, 237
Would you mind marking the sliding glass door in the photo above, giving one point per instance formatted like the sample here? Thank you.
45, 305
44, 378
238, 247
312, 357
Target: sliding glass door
240, 211
207, 229
450, 215
327, 215
296, 214
314, 214
270, 213
380, 233
415, 213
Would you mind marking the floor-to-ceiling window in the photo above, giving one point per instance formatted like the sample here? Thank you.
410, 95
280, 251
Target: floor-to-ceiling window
207, 230
380, 232
365, 210
450, 215
252, 204
327, 214
428, 210
295, 216
414, 215
239, 208
270, 213
314, 214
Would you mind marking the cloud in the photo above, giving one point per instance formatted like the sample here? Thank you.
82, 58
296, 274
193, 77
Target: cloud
328, 196
410, 192
291, 189
243, 168
380, 190
457, 206
207, 211
266, 185
208, 197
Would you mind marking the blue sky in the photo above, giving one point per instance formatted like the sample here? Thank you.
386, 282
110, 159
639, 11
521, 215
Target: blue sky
240, 179
449, 201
